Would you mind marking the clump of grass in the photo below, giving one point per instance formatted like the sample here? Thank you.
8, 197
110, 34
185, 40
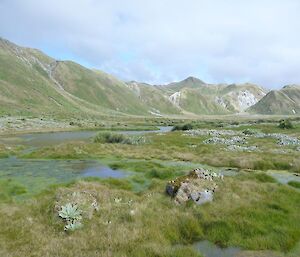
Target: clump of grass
10, 189
161, 174
108, 137
295, 184
116, 138
285, 124
118, 183
183, 127
250, 132
264, 178
149, 169
259, 177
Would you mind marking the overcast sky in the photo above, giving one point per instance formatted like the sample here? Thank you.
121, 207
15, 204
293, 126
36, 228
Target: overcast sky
159, 41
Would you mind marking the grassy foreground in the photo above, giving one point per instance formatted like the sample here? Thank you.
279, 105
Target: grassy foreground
136, 218
246, 212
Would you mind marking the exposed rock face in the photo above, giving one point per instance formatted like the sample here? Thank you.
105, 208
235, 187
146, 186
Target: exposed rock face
199, 186
134, 87
240, 97
219, 100
175, 98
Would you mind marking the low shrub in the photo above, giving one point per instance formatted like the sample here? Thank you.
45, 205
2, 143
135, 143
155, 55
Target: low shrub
285, 124
115, 138
184, 127
249, 131
108, 137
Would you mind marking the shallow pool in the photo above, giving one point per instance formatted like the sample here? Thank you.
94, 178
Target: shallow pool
54, 138
37, 175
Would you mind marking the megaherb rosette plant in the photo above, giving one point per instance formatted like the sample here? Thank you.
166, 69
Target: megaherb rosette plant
72, 215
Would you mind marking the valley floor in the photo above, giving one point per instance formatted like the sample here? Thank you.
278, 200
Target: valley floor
255, 210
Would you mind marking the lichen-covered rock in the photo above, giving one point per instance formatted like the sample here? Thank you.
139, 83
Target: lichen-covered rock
211, 132
199, 186
226, 141
202, 197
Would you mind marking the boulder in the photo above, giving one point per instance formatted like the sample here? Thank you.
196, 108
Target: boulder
199, 186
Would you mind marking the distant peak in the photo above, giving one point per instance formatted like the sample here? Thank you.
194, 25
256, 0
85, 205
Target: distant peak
193, 80
5, 41
291, 86
132, 82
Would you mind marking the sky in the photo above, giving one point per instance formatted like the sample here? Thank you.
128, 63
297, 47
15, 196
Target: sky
159, 41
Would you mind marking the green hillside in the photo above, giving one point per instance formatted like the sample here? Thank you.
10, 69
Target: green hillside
33, 83
192, 100
285, 101
24, 86
194, 95
190, 82
97, 88
154, 98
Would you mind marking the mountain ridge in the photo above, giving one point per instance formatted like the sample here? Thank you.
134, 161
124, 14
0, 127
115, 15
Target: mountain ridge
32, 82
285, 101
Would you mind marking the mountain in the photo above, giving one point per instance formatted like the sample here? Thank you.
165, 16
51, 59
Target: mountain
239, 97
194, 95
190, 82
285, 101
34, 83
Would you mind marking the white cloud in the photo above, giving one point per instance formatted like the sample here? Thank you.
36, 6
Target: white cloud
162, 40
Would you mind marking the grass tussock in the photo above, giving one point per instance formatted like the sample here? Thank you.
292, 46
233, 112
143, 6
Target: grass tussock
183, 127
10, 189
285, 124
116, 138
295, 184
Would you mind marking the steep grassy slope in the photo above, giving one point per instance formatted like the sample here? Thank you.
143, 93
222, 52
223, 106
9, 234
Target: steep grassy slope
33, 83
154, 97
24, 86
97, 88
194, 101
284, 101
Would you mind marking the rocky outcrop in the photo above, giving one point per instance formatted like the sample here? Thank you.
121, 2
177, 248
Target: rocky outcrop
175, 98
198, 186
